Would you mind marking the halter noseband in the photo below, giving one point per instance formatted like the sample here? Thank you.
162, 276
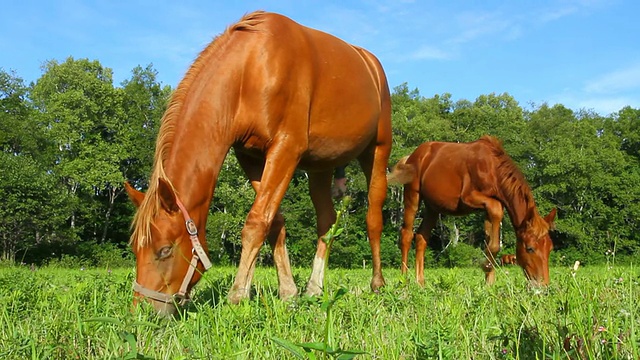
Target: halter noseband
197, 252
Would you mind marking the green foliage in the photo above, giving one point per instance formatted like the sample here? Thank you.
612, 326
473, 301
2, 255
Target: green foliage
72, 138
327, 346
462, 255
19, 133
84, 254
49, 313
73, 128
32, 210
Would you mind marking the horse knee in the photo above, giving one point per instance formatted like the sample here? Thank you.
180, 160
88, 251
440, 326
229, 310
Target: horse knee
254, 231
493, 248
276, 227
374, 222
404, 242
421, 243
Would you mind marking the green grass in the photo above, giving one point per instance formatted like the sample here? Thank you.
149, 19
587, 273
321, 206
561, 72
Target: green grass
87, 314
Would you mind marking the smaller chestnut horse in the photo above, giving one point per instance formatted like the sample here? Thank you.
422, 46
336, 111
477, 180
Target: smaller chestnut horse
508, 259
459, 178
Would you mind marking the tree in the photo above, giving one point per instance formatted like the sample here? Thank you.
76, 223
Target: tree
579, 167
32, 210
31, 204
19, 134
416, 119
101, 134
143, 101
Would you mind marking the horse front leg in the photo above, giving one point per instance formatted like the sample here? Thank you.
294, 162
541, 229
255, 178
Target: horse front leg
273, 184
320, 192
253, 168
492, 239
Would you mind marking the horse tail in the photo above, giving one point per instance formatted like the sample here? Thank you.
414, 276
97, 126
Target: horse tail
402, 173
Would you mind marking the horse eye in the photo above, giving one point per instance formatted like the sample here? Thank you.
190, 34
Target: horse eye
530, 250
165, 252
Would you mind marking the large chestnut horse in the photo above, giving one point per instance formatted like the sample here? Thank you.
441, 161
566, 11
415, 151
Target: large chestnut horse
457, 179
282, 96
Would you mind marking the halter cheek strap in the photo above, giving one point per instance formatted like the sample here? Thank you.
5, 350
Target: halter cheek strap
198, 254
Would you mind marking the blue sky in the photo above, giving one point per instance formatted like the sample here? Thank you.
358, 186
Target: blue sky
584, 54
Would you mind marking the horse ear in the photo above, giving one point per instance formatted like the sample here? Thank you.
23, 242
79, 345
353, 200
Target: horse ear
550, 219
167, 196
135, 195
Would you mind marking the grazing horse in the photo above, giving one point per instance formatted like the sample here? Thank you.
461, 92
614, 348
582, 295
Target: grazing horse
508, 259
459, 178
282, 96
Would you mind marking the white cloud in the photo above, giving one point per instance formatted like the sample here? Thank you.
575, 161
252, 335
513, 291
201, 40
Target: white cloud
555, 14
605, 106
615, 81
601, 104
474, 26
427, 52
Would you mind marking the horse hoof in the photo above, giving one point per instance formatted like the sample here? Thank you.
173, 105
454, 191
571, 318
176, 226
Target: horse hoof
288, 294
236, 296
376, 284
313, 290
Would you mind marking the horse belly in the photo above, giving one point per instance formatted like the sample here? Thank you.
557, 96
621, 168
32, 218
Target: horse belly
340, 138
441, 189
442, 199
346, 103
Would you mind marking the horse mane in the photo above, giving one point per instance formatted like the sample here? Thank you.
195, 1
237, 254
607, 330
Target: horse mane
150, 206
514, 185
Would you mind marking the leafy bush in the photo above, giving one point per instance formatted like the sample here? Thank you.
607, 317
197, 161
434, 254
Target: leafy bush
461, 255
90, 254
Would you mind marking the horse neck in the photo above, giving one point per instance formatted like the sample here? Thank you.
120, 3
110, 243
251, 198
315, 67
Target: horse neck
519, 204
194, 181
202, 109
199, 146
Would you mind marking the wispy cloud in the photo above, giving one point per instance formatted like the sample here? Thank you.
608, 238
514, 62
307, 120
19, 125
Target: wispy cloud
473, 26
549, 15
606, 105
427, 52
616, 81
600, 103
568, 8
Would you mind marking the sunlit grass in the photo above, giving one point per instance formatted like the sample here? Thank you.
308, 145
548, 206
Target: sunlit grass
87, 314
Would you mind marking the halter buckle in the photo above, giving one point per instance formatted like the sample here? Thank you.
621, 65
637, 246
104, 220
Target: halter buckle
181, 299
192, 229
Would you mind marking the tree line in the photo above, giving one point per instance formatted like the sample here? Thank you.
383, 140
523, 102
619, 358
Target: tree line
72, 138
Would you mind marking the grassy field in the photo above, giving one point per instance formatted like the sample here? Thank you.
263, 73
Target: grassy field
594, 313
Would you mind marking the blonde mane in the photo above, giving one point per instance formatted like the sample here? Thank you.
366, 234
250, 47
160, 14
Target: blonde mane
514, 185
150, 206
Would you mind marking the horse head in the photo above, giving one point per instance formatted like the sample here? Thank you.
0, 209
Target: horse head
533, 248
169, 256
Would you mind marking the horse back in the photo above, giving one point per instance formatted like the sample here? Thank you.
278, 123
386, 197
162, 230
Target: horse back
447, 170
312, 87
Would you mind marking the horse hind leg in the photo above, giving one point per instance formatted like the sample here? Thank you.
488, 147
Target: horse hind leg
374, 166
277, 234
422, 239
411, 200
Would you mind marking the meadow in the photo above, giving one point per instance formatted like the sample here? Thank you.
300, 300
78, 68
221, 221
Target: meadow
591, 313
